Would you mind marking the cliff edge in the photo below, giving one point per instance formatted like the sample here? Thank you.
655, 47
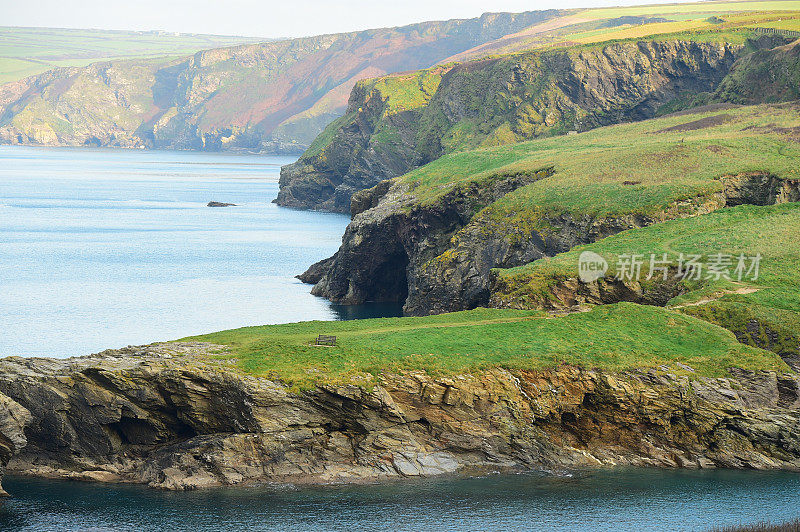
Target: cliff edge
169, 417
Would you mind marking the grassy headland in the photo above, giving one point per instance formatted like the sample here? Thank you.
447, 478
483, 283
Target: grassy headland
616, 337
665, 167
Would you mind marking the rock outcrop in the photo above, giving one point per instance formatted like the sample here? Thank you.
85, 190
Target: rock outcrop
164, 416
770, 75
437, 256
387, 133
13, 420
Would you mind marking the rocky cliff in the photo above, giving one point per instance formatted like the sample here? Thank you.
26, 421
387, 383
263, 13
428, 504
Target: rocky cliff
166, 416
430, 239
436, 257
13, 420
397, 124
275, 96
770, 75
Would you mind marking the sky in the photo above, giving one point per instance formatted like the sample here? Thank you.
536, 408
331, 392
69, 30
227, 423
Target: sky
262, 18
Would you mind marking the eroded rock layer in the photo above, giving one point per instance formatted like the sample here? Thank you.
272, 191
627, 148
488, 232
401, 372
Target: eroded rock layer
162, 416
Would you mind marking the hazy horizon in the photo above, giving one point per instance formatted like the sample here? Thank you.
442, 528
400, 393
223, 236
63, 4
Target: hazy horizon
265, 19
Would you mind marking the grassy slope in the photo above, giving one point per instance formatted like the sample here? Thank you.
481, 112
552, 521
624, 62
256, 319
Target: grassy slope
616, 337
704, 19
773, 232
590, 178
512, 117
592, 168
28, 51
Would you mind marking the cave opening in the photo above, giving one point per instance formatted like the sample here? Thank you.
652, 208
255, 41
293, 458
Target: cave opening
390, 279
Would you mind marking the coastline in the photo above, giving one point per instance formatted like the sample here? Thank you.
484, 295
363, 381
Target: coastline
171, 416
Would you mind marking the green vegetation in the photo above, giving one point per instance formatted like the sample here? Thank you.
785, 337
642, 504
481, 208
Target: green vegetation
639, 168
616, 337
258, 97
404, 92
700, 8
706, 21
28, 51
669, 159
772, 300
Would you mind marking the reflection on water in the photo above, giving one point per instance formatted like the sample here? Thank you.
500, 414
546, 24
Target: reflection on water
629, 499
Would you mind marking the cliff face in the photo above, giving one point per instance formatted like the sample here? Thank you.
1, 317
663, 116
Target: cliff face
396, 124
771, 75
13, 420
274, 96
437, 257
161, 416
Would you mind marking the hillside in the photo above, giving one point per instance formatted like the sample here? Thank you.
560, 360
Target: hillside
274, 96
398, 123
430, 238
595, 243
278, 96
761, 312
29, 51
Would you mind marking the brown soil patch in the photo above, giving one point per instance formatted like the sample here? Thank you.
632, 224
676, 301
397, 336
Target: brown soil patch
705, 109
716, 148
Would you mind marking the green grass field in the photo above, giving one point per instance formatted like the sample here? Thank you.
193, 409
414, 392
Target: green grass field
664, 168
616, 337
691, 8
704, 21
28, 51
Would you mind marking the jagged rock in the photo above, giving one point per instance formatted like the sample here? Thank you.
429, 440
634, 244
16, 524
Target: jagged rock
13, 420
185, 423
220, 204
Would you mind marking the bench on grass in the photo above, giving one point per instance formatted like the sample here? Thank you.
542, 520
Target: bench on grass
323, 339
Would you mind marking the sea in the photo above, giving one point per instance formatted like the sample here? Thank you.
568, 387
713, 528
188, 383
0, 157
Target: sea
107, 248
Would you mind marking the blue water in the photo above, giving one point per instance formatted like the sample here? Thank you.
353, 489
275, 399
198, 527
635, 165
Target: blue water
627, 500
106, 248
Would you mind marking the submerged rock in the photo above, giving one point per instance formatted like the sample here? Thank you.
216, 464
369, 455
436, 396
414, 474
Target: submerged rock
164, 416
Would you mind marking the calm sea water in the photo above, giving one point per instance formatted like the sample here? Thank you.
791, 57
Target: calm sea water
628, 500
102, 248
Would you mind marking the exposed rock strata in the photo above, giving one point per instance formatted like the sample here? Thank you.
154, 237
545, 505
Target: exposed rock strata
386, 249
179, 423
13, 420
437, 257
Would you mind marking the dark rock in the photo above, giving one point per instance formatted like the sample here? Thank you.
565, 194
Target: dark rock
220, 204
170, 418
387, 250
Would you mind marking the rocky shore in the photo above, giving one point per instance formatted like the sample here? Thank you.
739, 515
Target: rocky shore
170, 417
